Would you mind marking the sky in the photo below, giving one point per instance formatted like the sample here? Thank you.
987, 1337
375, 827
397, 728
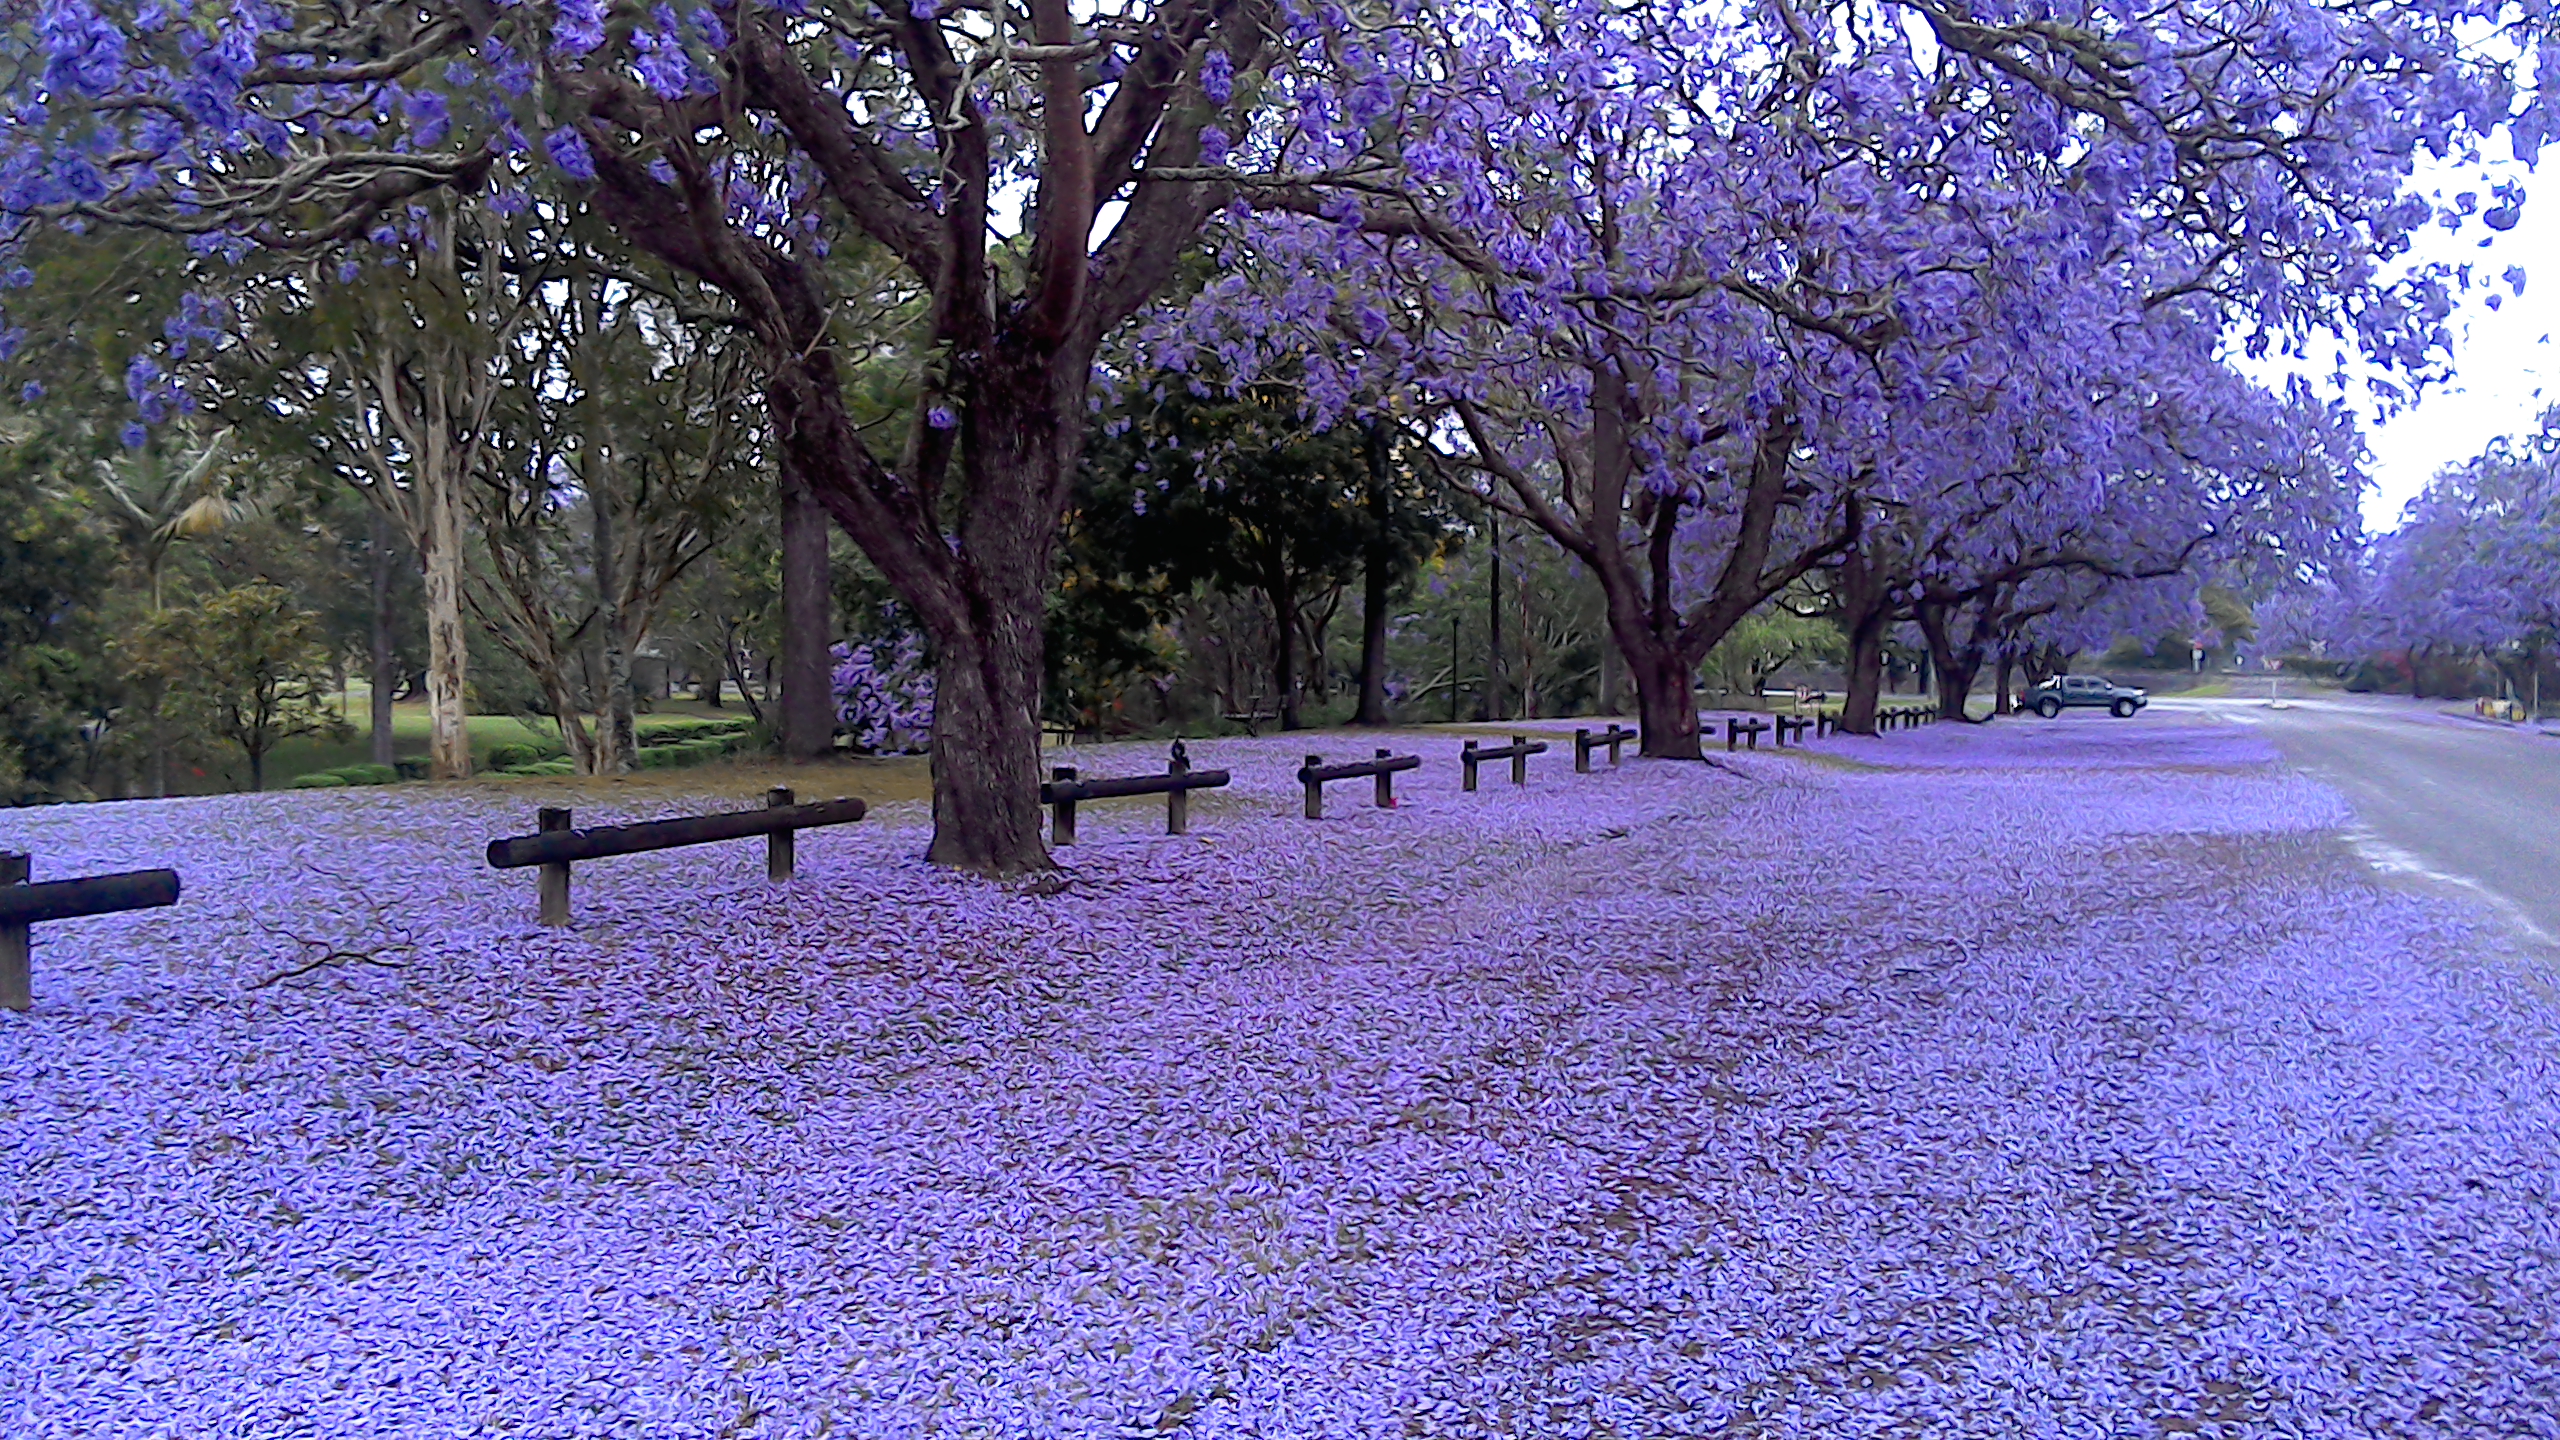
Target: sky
2506, 361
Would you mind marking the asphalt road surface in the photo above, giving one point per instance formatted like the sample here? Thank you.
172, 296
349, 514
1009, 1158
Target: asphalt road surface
2439, 797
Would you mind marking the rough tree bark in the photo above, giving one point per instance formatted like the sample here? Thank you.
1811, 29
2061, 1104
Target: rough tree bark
1282, 593
808, 625
439, 546
1377, 585
383, 670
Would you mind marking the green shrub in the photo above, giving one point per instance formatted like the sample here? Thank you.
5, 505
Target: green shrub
555, 765
367, 774
319, 780
683, 729
682, 753
517, 753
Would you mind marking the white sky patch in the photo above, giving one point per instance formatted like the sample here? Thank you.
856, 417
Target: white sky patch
2506, 365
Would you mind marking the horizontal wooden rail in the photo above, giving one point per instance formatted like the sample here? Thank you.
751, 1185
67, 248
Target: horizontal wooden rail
554, 846
24, 906
605, 841
1063, 791
1584, 742
1786, 723
95, 895
1735, 727
1517, 752
1315, 774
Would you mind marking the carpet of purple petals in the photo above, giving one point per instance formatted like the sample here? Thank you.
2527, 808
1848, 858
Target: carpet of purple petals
2030, 1080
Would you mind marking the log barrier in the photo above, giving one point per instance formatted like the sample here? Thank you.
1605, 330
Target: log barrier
1517, 752
1315, 774
1584, 742
25, 905
554, 846
1735, 727
1064, 790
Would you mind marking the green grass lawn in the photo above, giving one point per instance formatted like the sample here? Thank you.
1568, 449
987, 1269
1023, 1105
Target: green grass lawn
228, 771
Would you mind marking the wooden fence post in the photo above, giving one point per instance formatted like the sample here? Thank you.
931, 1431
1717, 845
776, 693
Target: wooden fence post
1177, 801
1315, 789
1386, 783
17, 985
1467, 764
1519, 760
555, 874
1582, 752
779, 847
1062, 812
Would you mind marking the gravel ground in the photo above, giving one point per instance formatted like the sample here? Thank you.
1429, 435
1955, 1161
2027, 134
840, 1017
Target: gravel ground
2019, 1080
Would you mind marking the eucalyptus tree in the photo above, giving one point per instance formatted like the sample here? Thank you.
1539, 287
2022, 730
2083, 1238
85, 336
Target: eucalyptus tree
626, 445
388, 371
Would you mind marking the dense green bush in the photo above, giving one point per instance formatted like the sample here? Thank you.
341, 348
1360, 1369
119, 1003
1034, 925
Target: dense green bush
685, 728
347, 775
515, 754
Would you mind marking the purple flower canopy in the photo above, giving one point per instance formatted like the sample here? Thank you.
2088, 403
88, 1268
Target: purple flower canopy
2025, 1080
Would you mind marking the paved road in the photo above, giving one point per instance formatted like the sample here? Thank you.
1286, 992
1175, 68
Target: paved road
2437, 796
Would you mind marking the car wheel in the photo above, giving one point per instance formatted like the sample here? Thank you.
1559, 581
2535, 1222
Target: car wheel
2123, 709
2048, 708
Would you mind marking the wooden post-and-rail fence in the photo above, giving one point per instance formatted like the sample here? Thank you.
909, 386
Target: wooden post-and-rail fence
25, 905
554, 846
1177, 782
1315, 774
1517, 752
1584, 742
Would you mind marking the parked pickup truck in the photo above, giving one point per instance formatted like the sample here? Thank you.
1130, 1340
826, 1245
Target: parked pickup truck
2063, 691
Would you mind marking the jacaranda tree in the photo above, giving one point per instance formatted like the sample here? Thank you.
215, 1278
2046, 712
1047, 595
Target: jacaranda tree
1659, 265
1034, 169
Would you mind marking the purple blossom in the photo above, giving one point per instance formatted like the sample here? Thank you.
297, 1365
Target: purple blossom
568, 150
1317, 1130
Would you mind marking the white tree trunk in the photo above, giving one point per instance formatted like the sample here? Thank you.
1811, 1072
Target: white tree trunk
448, 644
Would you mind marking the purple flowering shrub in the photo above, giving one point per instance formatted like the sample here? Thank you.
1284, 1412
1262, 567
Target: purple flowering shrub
1795, 1097
884, 694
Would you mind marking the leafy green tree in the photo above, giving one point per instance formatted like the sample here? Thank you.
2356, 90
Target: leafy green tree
1234, 493
1766, 641
55, 566
245, 667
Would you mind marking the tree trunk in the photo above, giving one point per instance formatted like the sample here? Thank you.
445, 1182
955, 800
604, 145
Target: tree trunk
808, 626
1666, 701
383, 672
1375, 585
440, 562
1493, 707
1957, 666
1866, 671
616, 730
1284, 652
2000, 703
